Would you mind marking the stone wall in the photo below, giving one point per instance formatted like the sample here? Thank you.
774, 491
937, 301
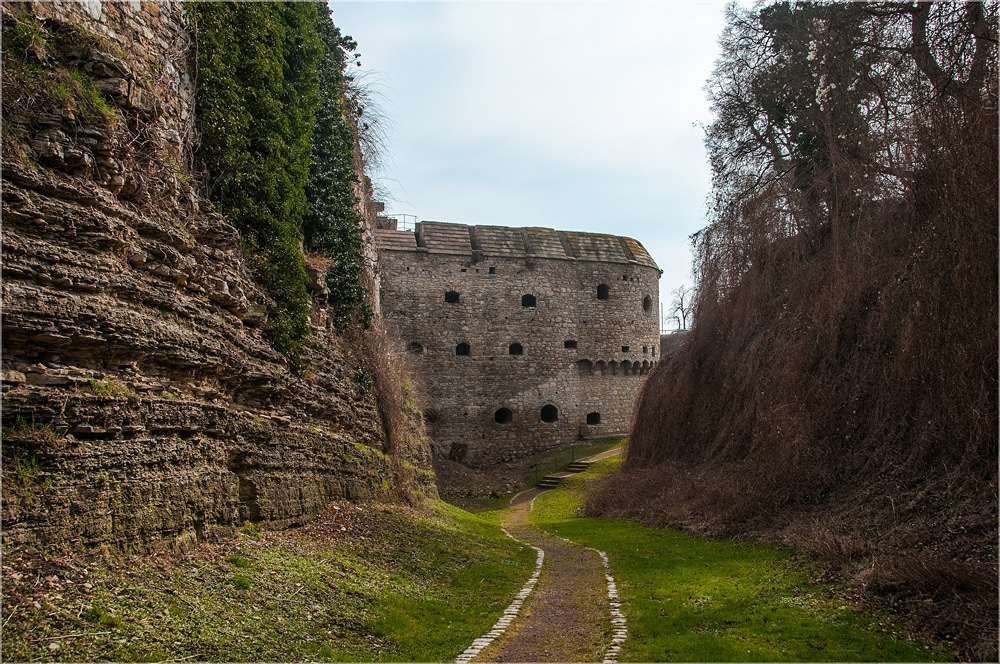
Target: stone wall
142, 403
583, 347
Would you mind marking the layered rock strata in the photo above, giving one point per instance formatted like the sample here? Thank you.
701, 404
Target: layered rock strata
142, 404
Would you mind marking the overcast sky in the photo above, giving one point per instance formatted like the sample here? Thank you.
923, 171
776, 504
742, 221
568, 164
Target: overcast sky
570, 115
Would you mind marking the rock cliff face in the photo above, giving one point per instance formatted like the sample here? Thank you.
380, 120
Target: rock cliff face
142, 404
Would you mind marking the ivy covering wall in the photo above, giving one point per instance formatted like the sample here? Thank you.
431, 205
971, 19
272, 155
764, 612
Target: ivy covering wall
277, 141
331, 227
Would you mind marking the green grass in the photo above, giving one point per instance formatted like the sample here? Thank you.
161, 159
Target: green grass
555, 461
112, 388
22, 472
399, 585
689, 599
542, 464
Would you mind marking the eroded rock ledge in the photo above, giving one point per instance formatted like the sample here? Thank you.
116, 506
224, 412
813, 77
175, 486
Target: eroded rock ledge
142, 404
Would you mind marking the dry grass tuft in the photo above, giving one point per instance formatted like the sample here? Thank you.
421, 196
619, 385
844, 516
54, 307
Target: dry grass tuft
400, 400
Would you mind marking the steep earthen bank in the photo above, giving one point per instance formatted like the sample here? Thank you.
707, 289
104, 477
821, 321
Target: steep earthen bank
838, 389
142, 403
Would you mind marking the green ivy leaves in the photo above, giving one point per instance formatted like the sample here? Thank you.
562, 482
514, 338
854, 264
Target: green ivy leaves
278, 147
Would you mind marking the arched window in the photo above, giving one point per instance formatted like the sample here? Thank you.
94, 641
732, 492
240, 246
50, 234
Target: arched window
593, 418
527, 300
585, 368
503, 416
451, 297
647, 304
462, 349
416, 347
550, 413
602, 292
516, 349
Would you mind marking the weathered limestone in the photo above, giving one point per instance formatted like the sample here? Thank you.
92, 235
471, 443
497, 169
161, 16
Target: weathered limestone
527, 338
142, 403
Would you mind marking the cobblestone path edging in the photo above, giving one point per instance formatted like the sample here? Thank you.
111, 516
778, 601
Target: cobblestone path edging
510, 612
620, 630
617, 617
618, 623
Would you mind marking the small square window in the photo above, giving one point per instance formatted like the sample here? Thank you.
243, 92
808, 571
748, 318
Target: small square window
624, 349
493, 270
569, 343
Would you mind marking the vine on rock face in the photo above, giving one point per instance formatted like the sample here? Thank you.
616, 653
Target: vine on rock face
277, 148
333, 228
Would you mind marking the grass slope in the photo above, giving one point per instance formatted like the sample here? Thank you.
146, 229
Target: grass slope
478, 491
689, 599
362, 583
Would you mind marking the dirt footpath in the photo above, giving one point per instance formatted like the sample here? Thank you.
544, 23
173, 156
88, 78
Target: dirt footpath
566, 618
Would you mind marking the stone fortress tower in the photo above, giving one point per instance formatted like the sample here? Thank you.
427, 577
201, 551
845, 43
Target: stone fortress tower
526, 339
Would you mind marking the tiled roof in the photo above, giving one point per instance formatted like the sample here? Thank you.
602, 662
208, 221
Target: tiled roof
511, 242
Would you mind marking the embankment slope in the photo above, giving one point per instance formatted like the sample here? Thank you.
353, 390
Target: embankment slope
838, 390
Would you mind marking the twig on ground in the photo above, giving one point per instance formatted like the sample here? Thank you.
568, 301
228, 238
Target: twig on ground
68, 636
181, 659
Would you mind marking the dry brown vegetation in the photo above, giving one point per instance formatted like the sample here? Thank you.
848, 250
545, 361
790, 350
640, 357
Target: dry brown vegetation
838, 389
387, 372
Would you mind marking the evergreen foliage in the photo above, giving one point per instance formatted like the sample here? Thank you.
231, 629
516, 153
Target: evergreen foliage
333, 227
275, 142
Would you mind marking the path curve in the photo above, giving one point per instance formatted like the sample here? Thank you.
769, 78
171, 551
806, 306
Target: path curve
565, 619
573, 614
509, 613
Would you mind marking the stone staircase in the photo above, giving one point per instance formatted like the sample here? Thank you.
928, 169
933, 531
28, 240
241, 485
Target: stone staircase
553, 480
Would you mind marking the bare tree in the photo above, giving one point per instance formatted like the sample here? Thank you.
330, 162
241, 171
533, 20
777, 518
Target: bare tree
822, 113
682, 306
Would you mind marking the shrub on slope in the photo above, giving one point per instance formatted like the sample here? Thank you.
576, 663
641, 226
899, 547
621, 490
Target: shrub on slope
838, 389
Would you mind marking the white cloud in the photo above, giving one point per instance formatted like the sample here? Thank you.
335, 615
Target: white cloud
570, 115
